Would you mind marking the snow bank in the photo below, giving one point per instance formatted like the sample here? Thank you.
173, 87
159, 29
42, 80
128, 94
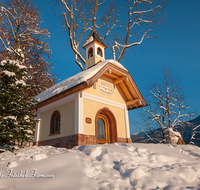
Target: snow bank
172, 136
174, 132
115, 166
75, 80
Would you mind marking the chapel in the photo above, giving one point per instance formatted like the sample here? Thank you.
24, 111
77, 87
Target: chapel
90, 107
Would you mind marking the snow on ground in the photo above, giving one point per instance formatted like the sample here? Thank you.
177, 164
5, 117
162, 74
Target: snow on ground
91, 167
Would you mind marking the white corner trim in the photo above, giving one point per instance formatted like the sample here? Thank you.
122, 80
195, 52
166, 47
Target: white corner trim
80, 119
76, 115
127, 123
37, 127
103, 100
78, 128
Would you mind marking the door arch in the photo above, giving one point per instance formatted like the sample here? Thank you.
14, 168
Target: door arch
105, 119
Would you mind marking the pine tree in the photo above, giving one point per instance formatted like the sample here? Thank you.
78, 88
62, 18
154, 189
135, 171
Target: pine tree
16, 117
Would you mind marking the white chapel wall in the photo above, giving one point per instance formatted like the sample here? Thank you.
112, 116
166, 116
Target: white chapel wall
67, 112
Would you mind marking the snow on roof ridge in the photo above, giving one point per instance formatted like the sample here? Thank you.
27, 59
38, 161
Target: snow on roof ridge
88, 41
75, 80
94, 37
117, 64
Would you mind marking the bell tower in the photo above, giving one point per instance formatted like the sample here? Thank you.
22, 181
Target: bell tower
94, 50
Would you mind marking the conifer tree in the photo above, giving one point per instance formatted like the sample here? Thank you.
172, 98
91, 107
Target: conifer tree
16, 117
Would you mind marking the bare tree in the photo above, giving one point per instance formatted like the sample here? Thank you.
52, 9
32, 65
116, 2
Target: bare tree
167, 106
126, 25
20, 29
193, 134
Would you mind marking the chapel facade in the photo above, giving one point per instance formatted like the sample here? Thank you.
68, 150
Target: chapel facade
90, 107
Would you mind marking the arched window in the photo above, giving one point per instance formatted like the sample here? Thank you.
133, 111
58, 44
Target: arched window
55, 122
101, 129
90, 53
99, 52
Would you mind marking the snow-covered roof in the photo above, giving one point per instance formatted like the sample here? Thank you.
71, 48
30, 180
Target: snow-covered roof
75, 80
89, 41
96, 38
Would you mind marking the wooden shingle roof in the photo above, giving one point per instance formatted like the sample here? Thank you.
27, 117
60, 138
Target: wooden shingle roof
94, 38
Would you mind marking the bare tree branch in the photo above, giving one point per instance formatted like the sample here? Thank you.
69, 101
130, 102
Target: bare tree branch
107, 18
167, 104
19, 29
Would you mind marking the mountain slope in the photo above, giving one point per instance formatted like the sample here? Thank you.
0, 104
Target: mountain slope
141, 137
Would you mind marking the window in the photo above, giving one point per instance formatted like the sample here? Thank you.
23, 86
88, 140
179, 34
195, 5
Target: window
55, 123
90, 53
99, 52
101, 129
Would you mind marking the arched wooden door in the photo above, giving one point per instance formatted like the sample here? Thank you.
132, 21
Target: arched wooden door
106, 128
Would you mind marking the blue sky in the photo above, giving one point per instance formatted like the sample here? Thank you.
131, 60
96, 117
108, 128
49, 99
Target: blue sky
177, 47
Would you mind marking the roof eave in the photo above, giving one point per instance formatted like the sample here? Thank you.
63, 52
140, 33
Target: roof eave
67, 92
104, 46
141, 101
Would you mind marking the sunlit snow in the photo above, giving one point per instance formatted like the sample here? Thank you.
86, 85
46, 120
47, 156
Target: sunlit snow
94, 167
89, 40
10, 117
9, 73
20, 82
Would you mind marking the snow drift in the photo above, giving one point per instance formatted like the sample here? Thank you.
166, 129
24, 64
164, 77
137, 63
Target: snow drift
101, 167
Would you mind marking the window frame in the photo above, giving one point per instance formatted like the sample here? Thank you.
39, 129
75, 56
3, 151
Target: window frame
54, 121
91, 49
99, 129
101, 52
106, 140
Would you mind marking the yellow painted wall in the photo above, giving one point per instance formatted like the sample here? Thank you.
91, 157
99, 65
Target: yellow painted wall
67, 112
90, 108
115, 97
